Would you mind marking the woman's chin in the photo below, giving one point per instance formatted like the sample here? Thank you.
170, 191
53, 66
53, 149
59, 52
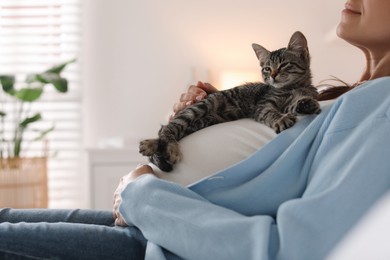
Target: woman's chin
340, 30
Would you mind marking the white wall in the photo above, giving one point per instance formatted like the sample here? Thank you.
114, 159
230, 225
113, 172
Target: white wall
139, 55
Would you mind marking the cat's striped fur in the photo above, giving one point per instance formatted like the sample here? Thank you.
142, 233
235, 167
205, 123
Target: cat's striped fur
287, 91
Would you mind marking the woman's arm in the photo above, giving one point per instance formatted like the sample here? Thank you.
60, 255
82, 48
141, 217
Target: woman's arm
192, 227
130, 177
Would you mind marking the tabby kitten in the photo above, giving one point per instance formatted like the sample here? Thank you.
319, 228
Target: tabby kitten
287, 91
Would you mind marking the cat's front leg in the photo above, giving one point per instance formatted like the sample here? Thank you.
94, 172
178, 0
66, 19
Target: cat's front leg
307, 105
164, 154
284, 122
274, 119
148, 147
304, 101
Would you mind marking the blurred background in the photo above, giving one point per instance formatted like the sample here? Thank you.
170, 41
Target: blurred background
135, 58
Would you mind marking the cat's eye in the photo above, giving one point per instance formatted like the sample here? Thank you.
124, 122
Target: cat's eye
267, 69
285, 65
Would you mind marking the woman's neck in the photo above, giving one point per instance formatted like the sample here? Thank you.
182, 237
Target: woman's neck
377, 65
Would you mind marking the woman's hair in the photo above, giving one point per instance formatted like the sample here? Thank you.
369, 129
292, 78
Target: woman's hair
329, 91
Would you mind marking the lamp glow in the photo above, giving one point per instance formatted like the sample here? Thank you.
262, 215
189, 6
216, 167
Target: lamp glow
229, 79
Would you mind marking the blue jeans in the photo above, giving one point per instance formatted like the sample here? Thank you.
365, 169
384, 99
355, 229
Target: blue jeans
66, 234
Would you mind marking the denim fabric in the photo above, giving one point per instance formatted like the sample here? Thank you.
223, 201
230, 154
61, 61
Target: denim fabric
66, 234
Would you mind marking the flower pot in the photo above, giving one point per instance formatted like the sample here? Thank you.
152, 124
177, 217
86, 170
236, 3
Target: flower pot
23, 182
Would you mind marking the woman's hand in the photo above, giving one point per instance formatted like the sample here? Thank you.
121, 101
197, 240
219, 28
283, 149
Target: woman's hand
194, 94
132, 176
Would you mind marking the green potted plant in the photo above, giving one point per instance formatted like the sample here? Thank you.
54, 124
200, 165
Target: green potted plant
12, 162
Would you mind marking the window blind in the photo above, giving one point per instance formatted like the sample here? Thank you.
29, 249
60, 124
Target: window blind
35, 35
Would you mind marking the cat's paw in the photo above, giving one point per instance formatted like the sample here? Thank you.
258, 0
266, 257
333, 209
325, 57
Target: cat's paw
148, 147
173, 152
308, 106
286, 121
167, 155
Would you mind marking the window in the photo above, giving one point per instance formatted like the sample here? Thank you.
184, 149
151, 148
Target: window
34, 35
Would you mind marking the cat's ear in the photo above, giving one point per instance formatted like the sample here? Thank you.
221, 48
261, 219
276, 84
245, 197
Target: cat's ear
298, 42
261, 52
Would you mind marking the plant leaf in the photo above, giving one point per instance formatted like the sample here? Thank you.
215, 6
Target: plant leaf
59, 68
46, 77
29, 94
61, 84
31, 78
2, 114
42, 134
30, 120
7, 82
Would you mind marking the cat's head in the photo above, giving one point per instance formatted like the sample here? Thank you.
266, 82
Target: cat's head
286, 66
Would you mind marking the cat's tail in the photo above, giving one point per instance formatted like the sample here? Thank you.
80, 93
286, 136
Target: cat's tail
162, 153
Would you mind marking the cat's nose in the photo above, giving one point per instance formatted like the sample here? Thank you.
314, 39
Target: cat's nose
274, 73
